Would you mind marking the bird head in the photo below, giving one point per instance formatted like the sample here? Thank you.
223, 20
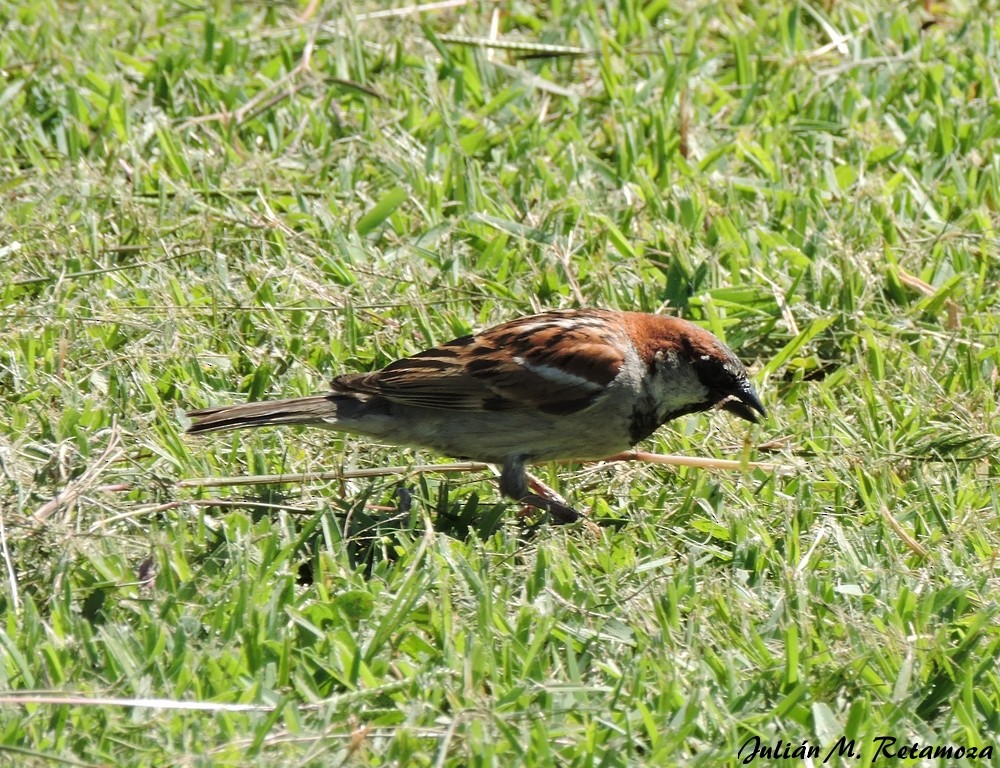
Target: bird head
693, 370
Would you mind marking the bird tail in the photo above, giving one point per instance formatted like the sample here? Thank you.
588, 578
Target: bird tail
315, 409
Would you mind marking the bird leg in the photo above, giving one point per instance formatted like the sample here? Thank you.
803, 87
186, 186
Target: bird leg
514, 483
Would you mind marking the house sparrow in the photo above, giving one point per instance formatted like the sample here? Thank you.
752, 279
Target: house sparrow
578, 384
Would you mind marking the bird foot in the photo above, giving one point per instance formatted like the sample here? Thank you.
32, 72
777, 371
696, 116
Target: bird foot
526, 489
547, 499
561, 512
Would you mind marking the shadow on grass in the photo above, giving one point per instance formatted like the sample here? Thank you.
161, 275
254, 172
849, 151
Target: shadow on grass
373, 528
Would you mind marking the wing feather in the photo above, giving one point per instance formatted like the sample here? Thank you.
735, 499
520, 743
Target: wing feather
558, 362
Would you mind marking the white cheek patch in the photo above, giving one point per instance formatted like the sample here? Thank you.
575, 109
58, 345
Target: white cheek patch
558, 375
676, 384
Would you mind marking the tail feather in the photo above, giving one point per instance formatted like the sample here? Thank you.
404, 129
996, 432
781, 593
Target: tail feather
315, 409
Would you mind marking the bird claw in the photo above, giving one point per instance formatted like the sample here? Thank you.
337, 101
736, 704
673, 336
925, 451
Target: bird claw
547, 499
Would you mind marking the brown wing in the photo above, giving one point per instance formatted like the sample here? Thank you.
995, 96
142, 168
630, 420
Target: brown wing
557, 362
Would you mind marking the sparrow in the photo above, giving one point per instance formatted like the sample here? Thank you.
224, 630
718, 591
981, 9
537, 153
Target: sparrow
579, 384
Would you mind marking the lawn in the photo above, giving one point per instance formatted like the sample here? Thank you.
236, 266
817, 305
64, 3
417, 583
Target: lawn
205, 203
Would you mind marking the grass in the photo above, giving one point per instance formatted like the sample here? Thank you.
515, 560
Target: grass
203, 204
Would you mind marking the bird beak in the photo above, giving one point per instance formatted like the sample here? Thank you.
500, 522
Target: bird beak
743, 402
